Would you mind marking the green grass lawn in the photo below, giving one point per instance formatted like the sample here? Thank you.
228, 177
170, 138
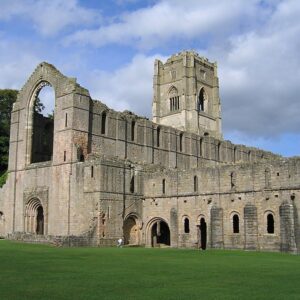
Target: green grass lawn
43, 272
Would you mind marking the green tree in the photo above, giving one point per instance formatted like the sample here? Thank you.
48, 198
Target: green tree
7, 98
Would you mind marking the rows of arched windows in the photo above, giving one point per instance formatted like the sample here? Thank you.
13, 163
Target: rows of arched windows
270, 224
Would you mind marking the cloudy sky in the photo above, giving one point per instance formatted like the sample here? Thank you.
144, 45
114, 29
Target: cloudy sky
110, 46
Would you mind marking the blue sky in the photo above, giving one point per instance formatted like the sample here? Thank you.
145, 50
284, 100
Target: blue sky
110, 46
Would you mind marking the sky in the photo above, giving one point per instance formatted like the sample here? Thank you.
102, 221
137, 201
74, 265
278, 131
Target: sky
110, 47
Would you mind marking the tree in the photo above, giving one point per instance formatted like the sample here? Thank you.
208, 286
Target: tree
7, 98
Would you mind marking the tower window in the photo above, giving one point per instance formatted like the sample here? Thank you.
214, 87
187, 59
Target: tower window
132, 185
236, 224
164, 186
103, 123
180, 142
201, 147
201, 99
174, 103
195, 184
158, 137
132, 130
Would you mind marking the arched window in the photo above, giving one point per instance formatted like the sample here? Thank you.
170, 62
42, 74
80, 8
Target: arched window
180, 142
132, 130
186, 225
195, 183
103, 123
236, 223
158, 137
164, 186
201, 99
219, 152
270, 223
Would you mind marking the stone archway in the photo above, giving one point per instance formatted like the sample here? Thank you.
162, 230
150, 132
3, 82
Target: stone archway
34, 217
131, 231
203, 234
159, 233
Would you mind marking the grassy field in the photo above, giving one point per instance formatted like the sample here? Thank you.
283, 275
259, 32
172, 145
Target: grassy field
43, 272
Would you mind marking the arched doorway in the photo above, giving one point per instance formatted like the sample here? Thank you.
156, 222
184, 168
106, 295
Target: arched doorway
131, 231
40, 221
203, 234
160, 234
34, 217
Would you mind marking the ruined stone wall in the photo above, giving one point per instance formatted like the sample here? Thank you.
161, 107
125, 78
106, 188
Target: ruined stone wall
252, 194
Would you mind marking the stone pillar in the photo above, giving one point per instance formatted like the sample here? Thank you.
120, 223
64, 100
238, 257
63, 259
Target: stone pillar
174, 227
251, 230
287, 228
217, 238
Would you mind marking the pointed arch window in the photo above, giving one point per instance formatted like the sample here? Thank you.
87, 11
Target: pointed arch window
201, 100
174, 99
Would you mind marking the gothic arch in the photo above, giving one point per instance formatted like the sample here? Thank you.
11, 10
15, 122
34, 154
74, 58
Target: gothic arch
165, 236
44, 75
132, 229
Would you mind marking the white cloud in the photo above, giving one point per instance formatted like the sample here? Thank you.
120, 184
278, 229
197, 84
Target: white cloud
49, 17
166, 20
129, 88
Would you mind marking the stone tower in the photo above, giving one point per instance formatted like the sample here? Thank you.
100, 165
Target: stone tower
186, 94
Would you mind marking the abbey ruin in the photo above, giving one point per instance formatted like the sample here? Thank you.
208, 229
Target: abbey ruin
90, 175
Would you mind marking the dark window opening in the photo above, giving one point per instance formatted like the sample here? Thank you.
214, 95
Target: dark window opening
201, 99
65, 155
234, 154
180, 142
174, 103
133, 130
160, 234
195, 184
270, 223
158, 137
132, 185
236, 224
203, 234
66, 120
219, 152
201, 147
186, 225
92, 171
103, 123
164, 186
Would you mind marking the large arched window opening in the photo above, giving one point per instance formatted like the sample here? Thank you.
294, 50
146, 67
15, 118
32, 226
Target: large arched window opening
236, 224
270, 223
131, 231
201, 100
174, 99
202, 234
42, 123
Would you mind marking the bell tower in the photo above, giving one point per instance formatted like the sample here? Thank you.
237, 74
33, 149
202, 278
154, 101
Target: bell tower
186, 94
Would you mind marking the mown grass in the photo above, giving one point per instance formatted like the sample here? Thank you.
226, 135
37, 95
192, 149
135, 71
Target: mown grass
43, 272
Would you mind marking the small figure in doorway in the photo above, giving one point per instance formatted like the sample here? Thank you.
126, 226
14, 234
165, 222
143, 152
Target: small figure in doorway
120, 243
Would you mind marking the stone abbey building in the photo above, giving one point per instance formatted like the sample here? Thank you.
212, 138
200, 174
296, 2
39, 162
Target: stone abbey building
90, 175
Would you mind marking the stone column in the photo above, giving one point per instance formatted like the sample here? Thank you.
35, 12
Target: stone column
217, 237
251, 230
174, 227
287, 228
